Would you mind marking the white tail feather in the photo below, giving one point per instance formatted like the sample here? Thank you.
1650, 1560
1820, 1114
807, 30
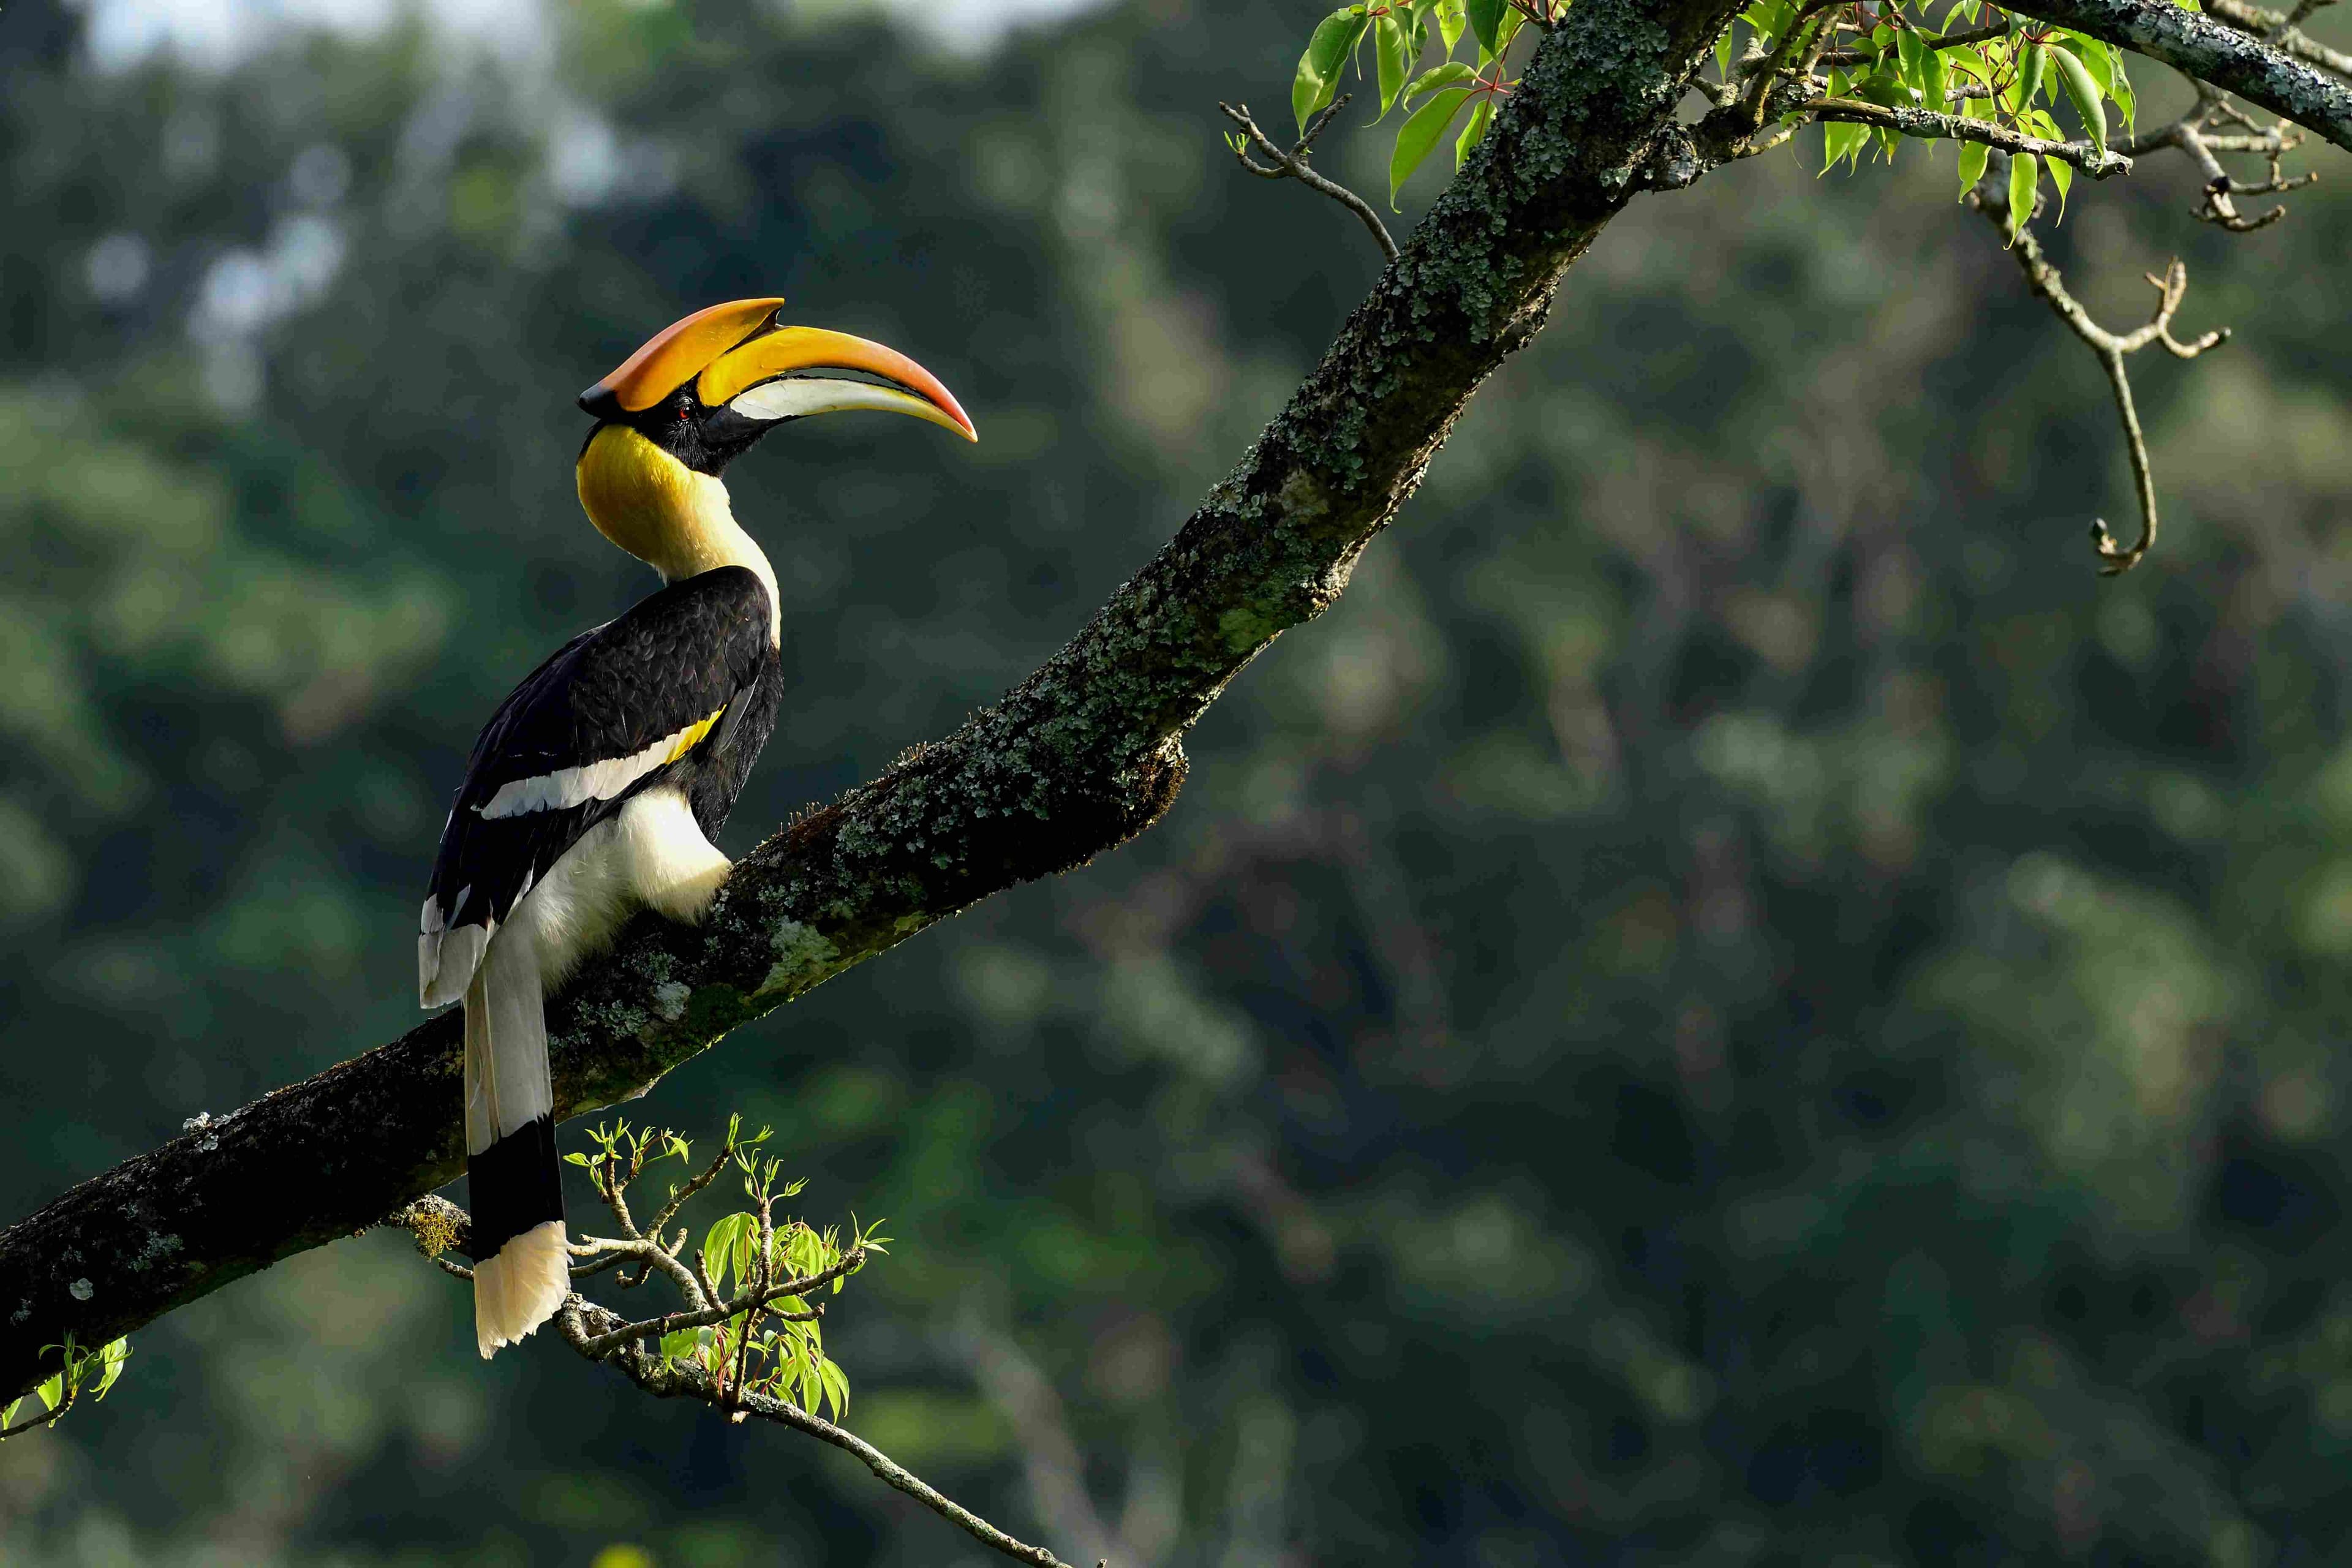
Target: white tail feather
653, 852
506, 1043
506, 1087
521, 1288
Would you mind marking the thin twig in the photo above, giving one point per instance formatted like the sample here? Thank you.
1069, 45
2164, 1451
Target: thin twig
602, 1336
1990, 198
643, 1250
1759, 94
1292, 166
64, 1403
2084, 155
1931, 40
2193, 136
583, 1321
750, 1300
694, 1184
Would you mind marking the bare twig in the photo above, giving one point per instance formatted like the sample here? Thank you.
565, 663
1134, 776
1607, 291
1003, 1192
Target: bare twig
1052, 1467
583, 1321
2283, 32
1292, 166
2193, 135
1989, 199
2084, 155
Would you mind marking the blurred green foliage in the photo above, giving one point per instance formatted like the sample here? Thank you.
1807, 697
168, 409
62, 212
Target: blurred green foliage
1731, 1004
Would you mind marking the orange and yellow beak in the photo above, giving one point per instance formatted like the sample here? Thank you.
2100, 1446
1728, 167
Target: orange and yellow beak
737, 357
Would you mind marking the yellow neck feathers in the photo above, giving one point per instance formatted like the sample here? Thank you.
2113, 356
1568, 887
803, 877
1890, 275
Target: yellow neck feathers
674, 520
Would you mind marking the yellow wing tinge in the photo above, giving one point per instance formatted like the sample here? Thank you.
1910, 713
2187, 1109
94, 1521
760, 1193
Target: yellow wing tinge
691, 736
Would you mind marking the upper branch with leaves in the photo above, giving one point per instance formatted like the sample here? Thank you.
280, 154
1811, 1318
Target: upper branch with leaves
1874, 73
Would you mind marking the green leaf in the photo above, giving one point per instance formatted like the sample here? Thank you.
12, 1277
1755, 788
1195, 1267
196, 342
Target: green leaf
53, 1392
2061, 175
1884, 88
2028, 77
2121, 91
1418, 136
1390, 45
727, 1246
1317, 79
2024, 174
1935, 82
2094, 56
111, 1360
1911, 53
1446, 75
575, 1159
1486, 22
1472, 129
1972, 165
1450, 19
1508, 28
2085, 92
1842, 140
680, 1343
1723, 53
836, 1385
8, 1412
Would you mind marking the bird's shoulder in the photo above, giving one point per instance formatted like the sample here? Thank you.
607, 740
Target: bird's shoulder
672, 660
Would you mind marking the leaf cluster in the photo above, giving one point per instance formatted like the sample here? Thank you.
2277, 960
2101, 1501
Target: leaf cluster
1978, 62
82, 1370
1414, 45
766, 1337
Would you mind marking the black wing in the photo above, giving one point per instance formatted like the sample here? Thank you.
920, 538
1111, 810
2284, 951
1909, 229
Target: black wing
614, 712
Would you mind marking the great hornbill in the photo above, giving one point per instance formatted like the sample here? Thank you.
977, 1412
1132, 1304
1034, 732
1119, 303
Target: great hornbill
597, 786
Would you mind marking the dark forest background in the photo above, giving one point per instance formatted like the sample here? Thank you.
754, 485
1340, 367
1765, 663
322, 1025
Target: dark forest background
1731, 1004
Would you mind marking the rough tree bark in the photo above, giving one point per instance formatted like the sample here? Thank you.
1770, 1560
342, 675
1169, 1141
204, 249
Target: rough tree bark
1084, 754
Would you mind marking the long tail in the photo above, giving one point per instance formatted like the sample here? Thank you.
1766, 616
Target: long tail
522, 1272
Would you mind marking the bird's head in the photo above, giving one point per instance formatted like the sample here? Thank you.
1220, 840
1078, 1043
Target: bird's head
701, 391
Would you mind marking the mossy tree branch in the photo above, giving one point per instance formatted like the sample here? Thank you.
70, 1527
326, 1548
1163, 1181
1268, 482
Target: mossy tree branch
1082, 755
2199, 47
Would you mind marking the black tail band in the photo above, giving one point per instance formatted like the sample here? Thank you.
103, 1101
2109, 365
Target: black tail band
515, 1184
